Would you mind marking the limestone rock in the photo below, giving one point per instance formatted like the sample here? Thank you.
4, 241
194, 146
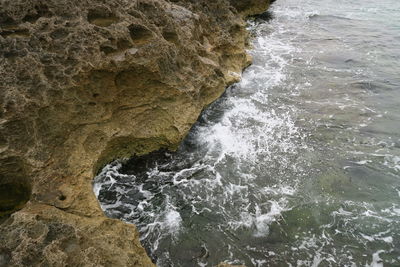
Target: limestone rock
83, 82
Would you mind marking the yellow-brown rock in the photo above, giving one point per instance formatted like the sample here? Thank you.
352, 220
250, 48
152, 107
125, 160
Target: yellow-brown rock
83, 82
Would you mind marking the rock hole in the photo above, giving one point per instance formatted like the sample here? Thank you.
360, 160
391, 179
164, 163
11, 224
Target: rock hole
59, 34
15, 186
13, 196
101, 18
107, 49
148, 8
171, 36
6, 20
37, 13
15, 33
140, 34
219, 72
123, 44
31, 18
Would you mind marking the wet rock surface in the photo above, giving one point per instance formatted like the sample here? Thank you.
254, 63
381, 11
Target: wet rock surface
86, 82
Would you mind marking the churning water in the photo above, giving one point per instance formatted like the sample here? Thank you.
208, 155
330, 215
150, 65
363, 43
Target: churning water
296, 165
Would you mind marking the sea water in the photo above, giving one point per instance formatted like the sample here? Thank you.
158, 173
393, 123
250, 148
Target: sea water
296, 165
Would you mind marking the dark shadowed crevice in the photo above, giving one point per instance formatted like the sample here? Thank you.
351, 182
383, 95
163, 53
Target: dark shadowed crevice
140, 34
15, 187
13, 197
101, 18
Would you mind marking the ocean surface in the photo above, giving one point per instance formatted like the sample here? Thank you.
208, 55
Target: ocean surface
296, 165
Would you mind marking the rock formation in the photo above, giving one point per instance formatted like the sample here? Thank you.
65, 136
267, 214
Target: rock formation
83, 82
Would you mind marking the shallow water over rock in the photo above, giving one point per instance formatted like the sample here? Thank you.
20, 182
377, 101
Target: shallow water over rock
296, 165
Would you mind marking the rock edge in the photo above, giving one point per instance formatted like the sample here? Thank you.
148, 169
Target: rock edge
85, 82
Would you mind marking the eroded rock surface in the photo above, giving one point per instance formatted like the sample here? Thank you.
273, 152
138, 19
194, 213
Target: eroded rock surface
83, 82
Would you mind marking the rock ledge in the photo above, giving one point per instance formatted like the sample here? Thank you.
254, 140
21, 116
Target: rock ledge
84, 82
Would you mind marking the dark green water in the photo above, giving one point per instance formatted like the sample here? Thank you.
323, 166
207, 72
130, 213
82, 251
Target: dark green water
297, 165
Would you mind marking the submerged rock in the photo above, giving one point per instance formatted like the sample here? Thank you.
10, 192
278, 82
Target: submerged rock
86, 82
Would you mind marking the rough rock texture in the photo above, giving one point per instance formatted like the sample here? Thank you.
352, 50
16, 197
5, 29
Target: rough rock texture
83, 82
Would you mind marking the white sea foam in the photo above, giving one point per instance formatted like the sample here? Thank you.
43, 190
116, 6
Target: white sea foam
172, 221
376, 260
